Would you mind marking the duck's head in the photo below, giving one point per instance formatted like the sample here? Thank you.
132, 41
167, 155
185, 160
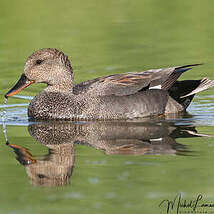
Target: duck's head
47, 65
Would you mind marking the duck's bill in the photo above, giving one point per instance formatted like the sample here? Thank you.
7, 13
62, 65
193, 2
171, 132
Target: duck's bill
22, 83
23, 155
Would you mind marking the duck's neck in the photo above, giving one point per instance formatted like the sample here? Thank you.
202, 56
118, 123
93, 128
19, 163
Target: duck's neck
60, 88
62, 81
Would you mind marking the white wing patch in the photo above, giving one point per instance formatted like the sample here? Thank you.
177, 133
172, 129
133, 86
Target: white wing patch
155, 87
156, 139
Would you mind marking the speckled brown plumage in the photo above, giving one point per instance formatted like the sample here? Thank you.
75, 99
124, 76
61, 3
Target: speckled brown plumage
120, 96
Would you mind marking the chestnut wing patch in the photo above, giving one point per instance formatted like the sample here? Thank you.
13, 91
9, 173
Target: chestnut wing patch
132, 82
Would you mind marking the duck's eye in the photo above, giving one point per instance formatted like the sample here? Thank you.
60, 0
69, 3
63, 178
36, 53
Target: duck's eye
39, 61
41, 176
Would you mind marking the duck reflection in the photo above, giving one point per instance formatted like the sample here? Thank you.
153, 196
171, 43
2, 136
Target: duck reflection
121, 138
54, 169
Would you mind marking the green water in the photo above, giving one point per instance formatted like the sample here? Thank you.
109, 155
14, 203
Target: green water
111, 168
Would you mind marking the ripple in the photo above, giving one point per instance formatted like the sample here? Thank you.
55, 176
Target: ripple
15, 116
201, 113
74, 195
93, 180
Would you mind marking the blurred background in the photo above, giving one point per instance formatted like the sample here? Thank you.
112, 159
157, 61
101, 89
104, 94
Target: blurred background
102, 38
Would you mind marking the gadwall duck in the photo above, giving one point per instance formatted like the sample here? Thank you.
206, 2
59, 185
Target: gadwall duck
119, 96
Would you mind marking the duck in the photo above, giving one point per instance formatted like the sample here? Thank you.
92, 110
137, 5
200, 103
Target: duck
150, 93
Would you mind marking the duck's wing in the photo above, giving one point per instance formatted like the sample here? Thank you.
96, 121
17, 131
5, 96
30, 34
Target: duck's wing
132, 82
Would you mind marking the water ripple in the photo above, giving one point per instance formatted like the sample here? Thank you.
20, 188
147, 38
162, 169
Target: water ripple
200, 113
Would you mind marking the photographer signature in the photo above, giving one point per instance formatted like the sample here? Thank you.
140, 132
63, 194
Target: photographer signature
178, 202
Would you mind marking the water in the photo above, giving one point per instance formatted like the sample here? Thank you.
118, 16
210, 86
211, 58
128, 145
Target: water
3, 121
105, 167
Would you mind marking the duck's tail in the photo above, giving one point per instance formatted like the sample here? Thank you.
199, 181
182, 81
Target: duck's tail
184, 91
